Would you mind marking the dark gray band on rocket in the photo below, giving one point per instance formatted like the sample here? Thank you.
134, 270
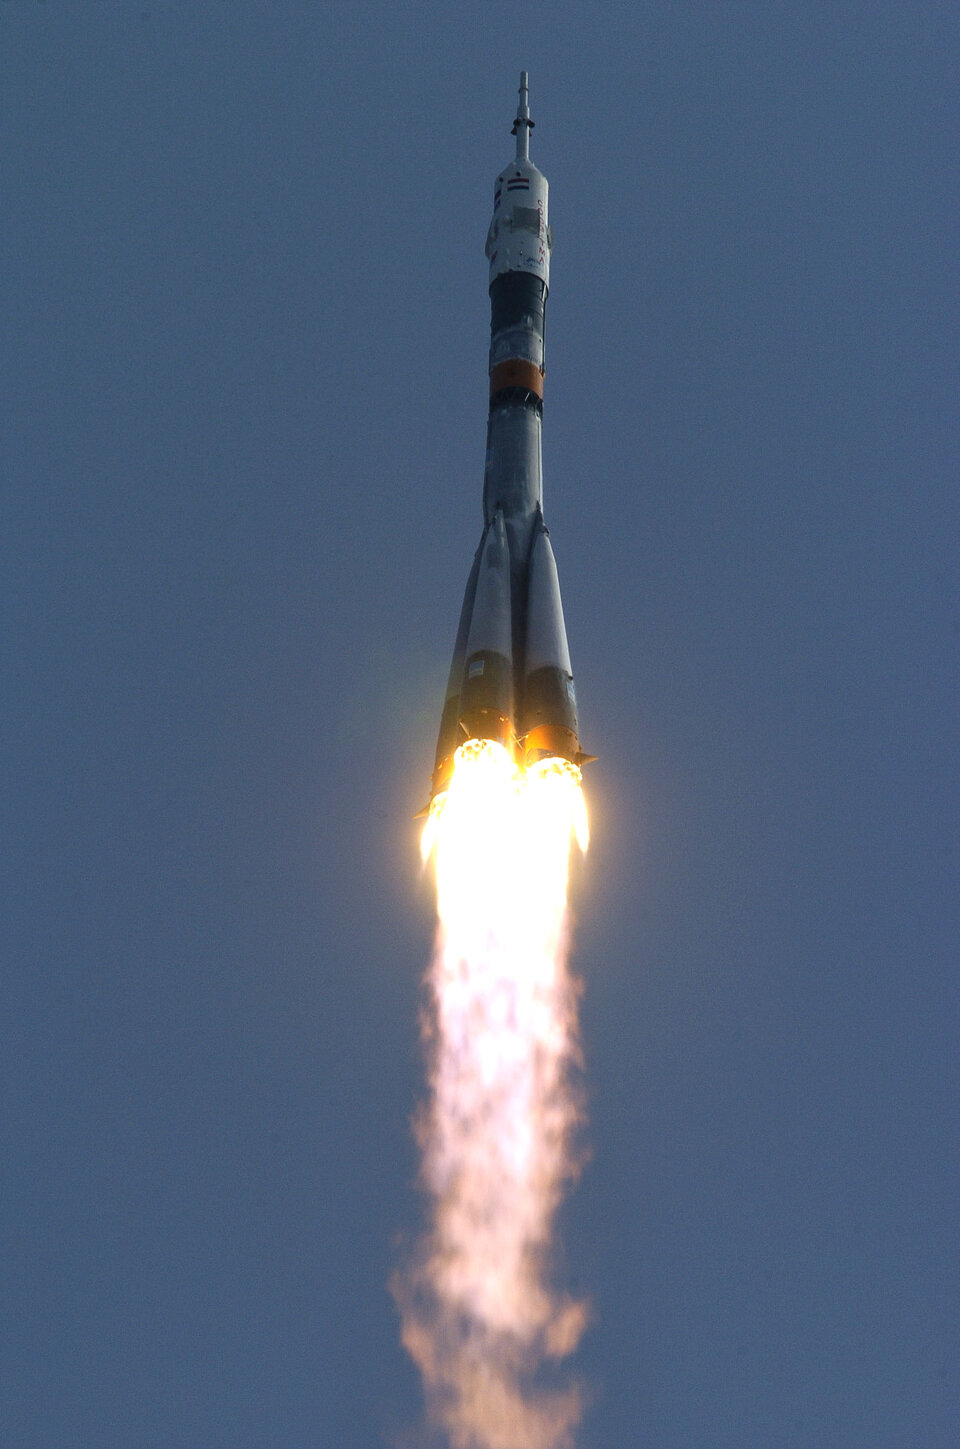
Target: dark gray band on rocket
486, 697
511, 397
517, 299
517, 314
548, 698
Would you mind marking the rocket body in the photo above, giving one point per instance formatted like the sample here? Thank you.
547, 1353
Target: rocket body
510, 679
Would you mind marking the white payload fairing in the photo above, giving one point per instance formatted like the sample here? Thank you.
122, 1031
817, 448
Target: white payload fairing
510, 680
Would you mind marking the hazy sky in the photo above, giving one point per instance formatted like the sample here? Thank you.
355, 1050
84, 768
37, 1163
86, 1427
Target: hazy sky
243, 326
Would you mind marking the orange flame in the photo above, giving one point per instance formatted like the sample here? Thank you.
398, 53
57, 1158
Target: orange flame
480, 1315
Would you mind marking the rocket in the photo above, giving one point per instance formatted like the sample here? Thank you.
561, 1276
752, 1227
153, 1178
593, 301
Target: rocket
510, 680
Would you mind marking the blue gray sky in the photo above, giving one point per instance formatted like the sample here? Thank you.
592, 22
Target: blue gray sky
243, 333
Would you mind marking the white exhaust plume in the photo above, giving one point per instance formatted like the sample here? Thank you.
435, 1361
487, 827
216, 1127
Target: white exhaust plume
481, 1317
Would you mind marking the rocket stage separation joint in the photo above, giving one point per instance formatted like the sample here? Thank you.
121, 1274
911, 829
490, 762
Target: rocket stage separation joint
510, 680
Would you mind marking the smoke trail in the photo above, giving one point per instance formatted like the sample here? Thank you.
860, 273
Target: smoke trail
480, 1316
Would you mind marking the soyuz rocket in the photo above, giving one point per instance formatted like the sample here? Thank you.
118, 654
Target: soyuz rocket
510, 680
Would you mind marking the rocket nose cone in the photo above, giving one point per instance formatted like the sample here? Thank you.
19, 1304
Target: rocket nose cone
523, 125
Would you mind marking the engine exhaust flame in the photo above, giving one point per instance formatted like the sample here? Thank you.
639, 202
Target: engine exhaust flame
480, 1315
